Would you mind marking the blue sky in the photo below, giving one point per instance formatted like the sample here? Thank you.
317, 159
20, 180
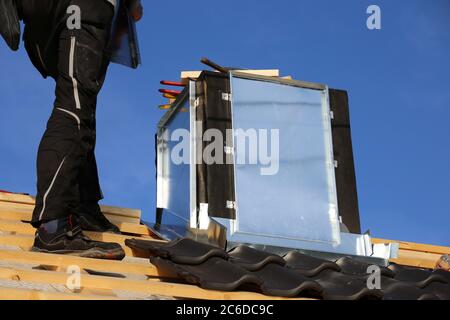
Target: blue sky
398, 80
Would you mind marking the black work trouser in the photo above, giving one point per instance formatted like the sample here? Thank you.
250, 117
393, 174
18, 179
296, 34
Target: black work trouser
66, 166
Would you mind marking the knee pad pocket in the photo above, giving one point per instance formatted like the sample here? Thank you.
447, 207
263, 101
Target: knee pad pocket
88, 62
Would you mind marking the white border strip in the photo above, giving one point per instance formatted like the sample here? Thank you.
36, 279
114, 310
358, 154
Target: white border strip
73, 115
74, 81
50, 188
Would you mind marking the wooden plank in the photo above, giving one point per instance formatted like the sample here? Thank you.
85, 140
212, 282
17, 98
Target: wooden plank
25, 228
24, 212
117, 219
148, 287
267, 73
416, 246
124, 212
133, 228
143, 267
25, 241
19, 198
417, 259
17, 206
15, 226
27, 294
14, 214
24, 200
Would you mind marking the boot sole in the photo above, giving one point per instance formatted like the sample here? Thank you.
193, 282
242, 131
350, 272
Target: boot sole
93, 253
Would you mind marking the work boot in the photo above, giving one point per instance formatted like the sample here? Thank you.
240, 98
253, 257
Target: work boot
9, 23
91, 218
65, 236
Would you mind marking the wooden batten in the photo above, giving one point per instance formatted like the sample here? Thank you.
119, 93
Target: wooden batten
135, 274
26, 202
416, 254
150, 287
185, 75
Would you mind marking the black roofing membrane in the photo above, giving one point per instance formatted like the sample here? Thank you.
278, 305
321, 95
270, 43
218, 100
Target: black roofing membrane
294, 275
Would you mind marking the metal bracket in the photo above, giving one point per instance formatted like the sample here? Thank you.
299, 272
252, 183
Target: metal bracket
226, 96
231, 204
229, 150
196, 102
203, 217
386, 250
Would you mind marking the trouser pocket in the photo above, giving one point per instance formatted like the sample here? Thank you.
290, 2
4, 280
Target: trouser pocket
82, 65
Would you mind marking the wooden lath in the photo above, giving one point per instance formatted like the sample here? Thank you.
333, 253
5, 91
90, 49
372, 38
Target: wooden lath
417, 259
125, 227
25, 241
135, 267
412, 246
19, 227
26, 294
18, 236
149, 287
416, 254
141, 277
26, 204
267, 72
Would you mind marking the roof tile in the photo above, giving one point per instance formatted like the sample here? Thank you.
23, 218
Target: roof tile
252, 259
294, 275
183, 250
214, 274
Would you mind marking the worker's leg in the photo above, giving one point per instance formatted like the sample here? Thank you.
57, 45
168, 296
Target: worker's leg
88, 211
89, 186
69, 141
89, 214
88, 180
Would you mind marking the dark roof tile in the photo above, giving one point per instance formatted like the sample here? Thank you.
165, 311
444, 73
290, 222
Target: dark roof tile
354, 267
280, 281
339, 286
214, 274
252, 259
294, 275
443, 273
395, 290
308, 265
185, 251
442, 291
421, 278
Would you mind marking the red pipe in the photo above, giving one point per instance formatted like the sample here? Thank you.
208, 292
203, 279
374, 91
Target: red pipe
172, 92
172, 83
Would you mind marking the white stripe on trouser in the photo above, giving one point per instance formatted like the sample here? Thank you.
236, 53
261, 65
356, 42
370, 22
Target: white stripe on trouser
40, 56
77, 119
71, 67
50, 188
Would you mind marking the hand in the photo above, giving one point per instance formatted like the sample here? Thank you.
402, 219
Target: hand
137, 12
